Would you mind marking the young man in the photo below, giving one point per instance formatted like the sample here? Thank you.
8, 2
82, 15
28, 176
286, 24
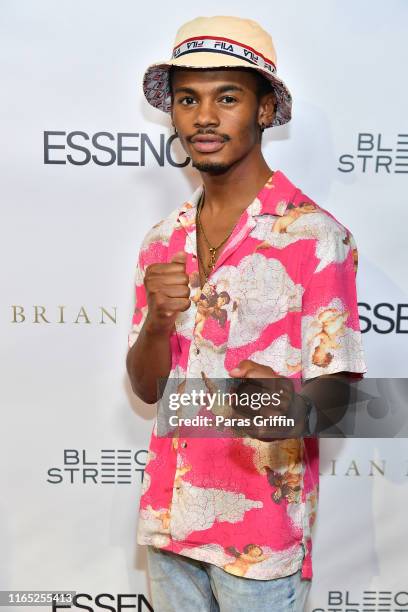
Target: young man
251, 279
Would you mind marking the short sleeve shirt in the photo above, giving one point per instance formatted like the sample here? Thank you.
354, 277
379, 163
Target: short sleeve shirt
287, 274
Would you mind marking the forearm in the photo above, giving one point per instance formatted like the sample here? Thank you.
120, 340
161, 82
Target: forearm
148, 360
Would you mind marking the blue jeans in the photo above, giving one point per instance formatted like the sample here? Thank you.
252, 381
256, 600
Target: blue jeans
181, 584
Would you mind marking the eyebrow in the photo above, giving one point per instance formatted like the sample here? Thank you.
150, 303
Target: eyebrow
218, 90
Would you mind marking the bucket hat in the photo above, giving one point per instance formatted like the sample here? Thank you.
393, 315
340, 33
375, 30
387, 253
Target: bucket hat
219, 42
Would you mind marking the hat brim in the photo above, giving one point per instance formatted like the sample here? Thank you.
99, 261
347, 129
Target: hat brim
156, 86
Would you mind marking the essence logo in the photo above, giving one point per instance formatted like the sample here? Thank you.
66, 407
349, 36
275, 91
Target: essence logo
107, 466
39, 314
106, 149
119, 602
372, 155
384, 318
371, 601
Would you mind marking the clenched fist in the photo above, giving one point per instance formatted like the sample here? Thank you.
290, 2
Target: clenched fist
167, 293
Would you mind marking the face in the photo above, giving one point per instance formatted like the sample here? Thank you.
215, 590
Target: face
217, 115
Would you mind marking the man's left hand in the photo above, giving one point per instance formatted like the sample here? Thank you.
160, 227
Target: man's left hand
261, 379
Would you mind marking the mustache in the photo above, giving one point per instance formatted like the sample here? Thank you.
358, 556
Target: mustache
225, 137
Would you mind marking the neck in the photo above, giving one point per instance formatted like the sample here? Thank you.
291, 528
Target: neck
235, 189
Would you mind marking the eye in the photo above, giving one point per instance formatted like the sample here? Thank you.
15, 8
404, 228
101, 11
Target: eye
229, 98
182, 100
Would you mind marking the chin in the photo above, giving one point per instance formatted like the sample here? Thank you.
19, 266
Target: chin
212, 167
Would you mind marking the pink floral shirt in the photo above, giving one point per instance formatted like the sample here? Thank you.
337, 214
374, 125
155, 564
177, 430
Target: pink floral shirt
287, 273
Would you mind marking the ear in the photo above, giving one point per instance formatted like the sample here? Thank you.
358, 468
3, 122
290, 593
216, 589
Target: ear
267, 108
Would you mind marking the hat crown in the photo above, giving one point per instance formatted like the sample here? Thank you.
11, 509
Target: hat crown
221, 43
243, 31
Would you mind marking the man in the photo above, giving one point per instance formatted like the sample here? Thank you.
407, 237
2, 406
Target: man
248, 279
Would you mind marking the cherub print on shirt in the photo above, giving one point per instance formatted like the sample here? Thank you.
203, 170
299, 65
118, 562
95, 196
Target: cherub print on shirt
282, 293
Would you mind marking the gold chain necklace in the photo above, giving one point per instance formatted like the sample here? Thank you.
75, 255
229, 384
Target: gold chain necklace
213, 249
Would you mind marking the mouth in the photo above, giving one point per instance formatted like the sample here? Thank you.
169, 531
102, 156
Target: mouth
207, 144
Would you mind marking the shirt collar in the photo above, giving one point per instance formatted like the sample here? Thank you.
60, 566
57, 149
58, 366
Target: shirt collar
273, 199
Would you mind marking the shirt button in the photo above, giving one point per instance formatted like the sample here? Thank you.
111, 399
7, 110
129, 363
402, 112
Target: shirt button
184, 444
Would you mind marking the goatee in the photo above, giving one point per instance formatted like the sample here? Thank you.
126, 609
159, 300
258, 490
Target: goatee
211, 168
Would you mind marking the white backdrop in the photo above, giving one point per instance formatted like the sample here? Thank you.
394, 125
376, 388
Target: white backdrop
70, 236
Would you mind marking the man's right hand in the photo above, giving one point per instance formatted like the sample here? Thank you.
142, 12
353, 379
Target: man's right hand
167, 293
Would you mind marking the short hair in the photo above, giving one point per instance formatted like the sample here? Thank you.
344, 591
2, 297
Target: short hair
264, 86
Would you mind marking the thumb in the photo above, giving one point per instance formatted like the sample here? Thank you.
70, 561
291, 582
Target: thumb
241, 369
179, 257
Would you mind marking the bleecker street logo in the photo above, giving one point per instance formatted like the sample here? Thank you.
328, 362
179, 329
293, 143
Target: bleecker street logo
368, 601
377, 154
107, 466
105, 149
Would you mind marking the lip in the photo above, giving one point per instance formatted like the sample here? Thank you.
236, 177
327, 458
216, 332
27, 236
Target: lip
207, 144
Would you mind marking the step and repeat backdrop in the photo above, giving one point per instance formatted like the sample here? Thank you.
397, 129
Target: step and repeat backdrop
87, 167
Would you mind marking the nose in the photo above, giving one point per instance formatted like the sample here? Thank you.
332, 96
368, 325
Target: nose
206, 114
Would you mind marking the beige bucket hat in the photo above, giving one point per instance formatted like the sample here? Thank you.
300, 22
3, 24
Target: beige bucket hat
219, 42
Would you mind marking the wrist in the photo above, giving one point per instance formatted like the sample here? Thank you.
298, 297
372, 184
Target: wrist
156, 329
311, 415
